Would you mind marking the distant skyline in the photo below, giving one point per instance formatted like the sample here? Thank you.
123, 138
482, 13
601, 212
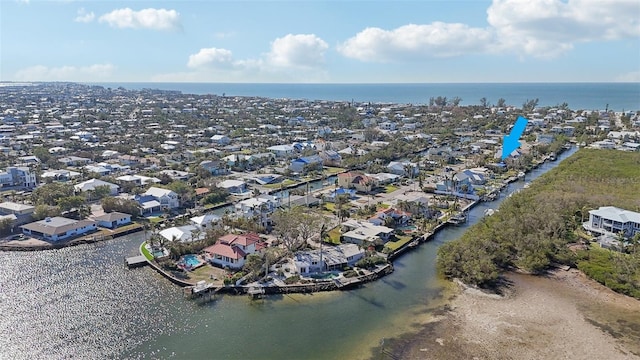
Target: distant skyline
320, 41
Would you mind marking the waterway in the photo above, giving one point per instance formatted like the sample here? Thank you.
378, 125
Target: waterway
81, 302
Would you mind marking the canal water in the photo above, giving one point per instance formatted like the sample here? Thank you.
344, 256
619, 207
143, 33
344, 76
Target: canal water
82, 303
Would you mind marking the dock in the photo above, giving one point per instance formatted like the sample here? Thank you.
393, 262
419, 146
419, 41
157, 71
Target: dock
256, 293
136, 261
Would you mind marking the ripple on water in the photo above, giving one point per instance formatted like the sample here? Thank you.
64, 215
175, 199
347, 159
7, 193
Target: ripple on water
78, 302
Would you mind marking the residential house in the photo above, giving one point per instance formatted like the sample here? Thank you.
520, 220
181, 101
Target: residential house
74, 161
359, 232
18, 177
138, 180
16, 212
231, 250
282, 151
356, 180
334, 258
403, 168
397, 216
306, 164
611, 219
58, 228
234, 187
332, 195
331, 158
113, 220
260, 206
205, 221
185, 233
167, 198
60, 175
215, 167
92, 184
221, 140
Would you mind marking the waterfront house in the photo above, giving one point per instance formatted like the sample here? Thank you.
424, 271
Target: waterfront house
231, 250
356, 180
331, 196
381, 217
334, 258
206, 220
260, 206
113, 220
331, 158
16, 212
58, 228
359, 232
167, 198
234, 187
185, 233
304, 164
610, 219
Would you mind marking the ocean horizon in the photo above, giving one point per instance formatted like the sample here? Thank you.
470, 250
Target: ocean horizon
586, 96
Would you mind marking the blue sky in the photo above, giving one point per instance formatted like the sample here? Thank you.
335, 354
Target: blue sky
320, 41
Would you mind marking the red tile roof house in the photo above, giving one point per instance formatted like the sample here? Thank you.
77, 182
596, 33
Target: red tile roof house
231, 250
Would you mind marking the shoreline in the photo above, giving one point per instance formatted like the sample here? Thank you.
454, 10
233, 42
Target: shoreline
562, 315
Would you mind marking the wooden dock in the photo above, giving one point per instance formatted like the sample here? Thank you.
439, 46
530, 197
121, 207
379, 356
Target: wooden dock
136, 261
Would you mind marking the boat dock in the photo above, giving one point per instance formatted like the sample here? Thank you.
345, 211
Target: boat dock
136, 261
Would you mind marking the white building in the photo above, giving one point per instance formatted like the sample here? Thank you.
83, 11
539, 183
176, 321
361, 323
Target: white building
610, 219
18, 177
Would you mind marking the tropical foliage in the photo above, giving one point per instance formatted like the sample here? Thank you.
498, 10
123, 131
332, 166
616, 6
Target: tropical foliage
532, 229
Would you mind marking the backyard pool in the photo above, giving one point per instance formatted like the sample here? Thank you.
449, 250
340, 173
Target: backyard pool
323, 276
408, 228
190, 261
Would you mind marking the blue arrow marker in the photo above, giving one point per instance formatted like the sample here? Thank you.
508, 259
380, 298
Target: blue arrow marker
511, 142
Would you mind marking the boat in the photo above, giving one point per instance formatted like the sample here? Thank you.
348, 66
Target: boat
458, 219
413, 244
521, 175
552, 156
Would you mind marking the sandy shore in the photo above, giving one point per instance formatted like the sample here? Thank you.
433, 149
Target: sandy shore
561, 316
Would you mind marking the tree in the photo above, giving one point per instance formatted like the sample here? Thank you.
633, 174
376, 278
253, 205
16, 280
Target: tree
45, 211
128, 206
49, 194
286, 228
70, 202
501, 103
484, 102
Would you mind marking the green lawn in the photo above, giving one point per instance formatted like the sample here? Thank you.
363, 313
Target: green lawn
334, 235
286, 182
333, 170
155, 219
146, 252
390, 188
383, 206
395, 245
330, 206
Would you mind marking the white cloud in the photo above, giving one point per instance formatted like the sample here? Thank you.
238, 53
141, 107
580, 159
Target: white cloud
210, 57
301, 50
292, 57
65, 73
416, 42
633, 76
155, 19
540, 28
84, 16
546, 28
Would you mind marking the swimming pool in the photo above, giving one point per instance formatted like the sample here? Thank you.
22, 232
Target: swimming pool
190, 261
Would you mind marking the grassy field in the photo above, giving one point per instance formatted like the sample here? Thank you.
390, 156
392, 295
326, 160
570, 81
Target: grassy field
285, 183
390, 188
395, 245
334, 235
333, 170
146, 252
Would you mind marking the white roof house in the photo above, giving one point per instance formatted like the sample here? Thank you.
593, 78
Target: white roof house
205, 220
610, 219
182, 233
92, 184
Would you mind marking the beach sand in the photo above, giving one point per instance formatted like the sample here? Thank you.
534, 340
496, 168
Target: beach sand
560, 316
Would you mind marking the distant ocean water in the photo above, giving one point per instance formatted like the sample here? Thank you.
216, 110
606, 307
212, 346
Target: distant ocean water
591, 96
